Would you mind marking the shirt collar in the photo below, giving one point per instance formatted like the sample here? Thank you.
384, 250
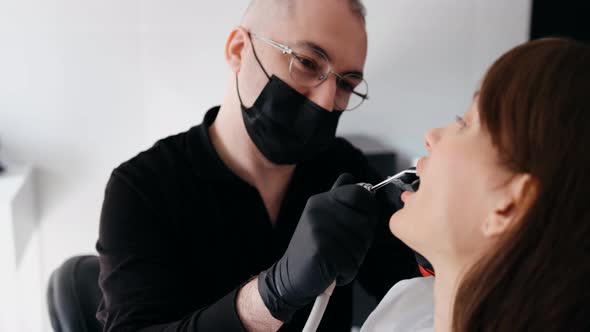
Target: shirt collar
203, 154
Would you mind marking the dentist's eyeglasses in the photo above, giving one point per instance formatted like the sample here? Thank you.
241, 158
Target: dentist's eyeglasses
310, 68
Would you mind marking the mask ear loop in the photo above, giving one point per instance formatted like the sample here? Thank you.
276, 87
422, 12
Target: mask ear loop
256, 57
238, 91
259, 64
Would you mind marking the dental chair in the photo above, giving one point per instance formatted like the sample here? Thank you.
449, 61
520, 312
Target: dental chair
73, 295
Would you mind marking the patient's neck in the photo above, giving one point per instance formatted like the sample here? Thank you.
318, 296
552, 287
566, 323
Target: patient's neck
445, 288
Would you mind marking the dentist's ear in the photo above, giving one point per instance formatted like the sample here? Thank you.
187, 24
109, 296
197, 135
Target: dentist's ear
515, 201
235, 46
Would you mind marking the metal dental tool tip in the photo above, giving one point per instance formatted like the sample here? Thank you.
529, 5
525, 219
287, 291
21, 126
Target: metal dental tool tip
374, 188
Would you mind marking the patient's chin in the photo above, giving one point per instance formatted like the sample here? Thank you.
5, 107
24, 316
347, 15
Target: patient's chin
396, 223
402, 224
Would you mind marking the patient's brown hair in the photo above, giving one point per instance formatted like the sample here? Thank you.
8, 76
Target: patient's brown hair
535, 103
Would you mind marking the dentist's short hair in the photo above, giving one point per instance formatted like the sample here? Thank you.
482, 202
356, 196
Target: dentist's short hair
287, 7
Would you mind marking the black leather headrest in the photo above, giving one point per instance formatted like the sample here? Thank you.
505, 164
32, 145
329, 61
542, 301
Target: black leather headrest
73, 295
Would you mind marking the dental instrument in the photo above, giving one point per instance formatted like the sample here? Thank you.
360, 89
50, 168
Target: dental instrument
406, 181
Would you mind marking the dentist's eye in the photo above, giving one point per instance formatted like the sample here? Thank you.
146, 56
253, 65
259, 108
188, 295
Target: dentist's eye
461, 122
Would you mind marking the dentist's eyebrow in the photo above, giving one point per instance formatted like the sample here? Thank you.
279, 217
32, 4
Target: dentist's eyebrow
353, 72
319, 49
315, 47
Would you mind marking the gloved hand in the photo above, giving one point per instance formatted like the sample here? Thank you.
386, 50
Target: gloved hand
329, 244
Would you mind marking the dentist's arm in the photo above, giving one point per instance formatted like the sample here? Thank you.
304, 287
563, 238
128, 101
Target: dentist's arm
252, 312
329, 244
139, 281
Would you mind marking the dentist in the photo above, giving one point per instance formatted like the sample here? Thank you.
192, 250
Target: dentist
209, 230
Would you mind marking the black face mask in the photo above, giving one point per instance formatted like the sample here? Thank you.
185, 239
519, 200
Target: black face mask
286, 126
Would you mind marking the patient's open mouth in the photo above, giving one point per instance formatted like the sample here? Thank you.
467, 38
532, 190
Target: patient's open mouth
409, 184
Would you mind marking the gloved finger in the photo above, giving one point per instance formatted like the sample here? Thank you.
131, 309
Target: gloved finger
343, 280
344, 179
346, 277
355, 197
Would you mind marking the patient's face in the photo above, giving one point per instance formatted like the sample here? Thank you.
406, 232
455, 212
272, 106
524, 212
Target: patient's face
459, 185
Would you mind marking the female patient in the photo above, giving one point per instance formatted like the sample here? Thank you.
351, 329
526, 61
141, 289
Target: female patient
503, 210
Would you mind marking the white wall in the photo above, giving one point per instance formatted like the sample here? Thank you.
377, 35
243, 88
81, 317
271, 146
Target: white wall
71, 103
85, 85
425, 60
184, 66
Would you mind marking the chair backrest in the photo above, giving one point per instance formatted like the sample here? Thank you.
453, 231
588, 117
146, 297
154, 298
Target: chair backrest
73, 295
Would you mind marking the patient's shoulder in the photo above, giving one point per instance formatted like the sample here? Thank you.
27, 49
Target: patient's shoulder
408, 306
412, 289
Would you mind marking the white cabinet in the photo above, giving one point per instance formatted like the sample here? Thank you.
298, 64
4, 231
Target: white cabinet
21, 286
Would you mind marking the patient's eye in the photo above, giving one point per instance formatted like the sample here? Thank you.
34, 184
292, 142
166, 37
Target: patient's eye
462, 123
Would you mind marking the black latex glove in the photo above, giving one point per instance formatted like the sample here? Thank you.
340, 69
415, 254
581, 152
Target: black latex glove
330, 243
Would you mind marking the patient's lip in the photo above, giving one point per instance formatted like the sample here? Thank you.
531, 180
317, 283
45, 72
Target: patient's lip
405, 195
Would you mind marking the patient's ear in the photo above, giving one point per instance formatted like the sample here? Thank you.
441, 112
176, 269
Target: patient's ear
516, 198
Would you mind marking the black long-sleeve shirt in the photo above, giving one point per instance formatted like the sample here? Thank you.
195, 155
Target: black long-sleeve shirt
180, 233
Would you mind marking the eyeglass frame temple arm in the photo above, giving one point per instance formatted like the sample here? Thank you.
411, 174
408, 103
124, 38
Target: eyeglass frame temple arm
285, 49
